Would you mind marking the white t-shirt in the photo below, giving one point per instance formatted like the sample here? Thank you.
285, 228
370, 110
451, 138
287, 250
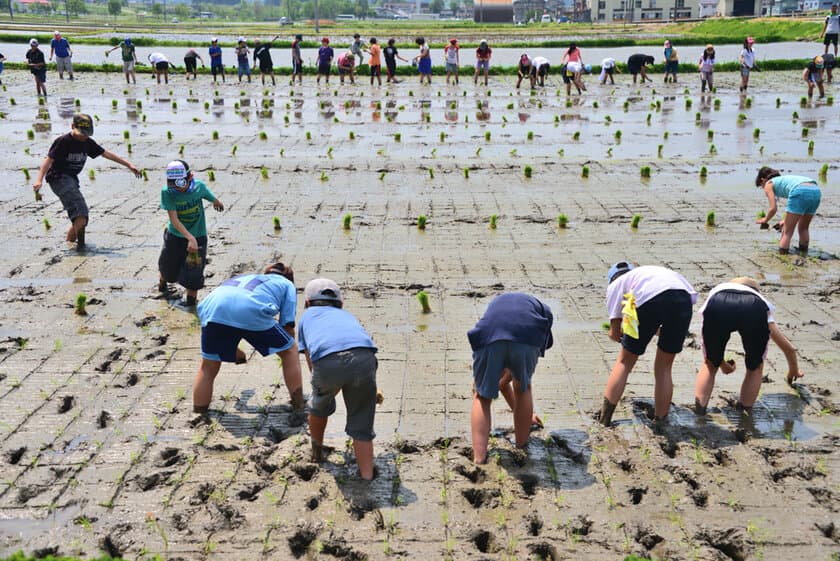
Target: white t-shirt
739, 288
645, 283
833, 24
538, 61
749, 57
608, 63
451, 55
155, 58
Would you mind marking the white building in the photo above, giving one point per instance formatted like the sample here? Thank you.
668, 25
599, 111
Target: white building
643, 10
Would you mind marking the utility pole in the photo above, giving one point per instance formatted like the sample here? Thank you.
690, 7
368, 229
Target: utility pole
66, 11
317, 30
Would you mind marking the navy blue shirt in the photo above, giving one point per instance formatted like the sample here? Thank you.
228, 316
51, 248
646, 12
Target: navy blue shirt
516, 317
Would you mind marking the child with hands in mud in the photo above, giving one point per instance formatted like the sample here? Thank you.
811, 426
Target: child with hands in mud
738, 305
803, 198
342, 358
62, 166
643, 302
511, 336
184, 253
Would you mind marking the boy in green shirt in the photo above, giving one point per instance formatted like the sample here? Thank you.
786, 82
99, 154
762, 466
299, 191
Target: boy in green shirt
184, 252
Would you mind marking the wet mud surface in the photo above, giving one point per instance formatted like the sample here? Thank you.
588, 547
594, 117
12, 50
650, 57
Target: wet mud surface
99, 449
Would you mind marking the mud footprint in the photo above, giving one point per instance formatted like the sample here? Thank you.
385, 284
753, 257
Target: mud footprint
543, 550
300, 541
480, 497
484, 541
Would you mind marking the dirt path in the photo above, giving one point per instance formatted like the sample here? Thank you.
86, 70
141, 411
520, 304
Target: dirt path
100, 449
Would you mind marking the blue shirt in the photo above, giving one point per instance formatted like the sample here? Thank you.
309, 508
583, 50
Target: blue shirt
784, 184
190, 208
61, 47
325, 55
516, 317
215, 56
325, 330
251, 302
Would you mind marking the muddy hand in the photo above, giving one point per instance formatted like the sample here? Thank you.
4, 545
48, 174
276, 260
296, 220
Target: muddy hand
794, 375
727, 366
380, 397
217, 204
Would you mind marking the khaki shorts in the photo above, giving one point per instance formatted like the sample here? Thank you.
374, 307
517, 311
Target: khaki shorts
128, 66
64, 64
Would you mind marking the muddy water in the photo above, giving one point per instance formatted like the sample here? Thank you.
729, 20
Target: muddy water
100, 450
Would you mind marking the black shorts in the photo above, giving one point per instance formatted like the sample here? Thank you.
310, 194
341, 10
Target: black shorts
565, 75
266, 67
297, 67
163, 66
172, 262
216, 69
634, 68
733, 310
391, 66
190, 65
668, 312
376, 70
830, 38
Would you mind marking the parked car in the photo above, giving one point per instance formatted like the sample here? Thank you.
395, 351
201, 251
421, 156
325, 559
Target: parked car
285, 21
546, 18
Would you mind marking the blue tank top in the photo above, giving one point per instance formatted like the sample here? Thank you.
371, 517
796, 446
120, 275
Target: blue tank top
784, 184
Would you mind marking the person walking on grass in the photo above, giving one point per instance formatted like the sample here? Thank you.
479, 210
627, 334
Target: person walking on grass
813, 76
482, 61
511, 336
738, 305
803, 199
707, 69
62, 166
747, 60
63, 55
342, 358
831, 29
161, 65
217, 67
297, 60
423, 60
391, 56
637, 65
643, 302
129, 59
672, 62
324, 61
184, 253
190, 64
375, 61
452, 57
38, 67
261, 309
262, 53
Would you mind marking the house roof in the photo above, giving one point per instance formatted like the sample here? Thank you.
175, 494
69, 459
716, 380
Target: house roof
42, 2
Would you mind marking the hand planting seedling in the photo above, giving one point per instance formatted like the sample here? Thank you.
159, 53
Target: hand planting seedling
348, 218
634, 222
493, 219
423, 298
81, 302
276, 221
421, 222
710, 219
562, 221
764, 225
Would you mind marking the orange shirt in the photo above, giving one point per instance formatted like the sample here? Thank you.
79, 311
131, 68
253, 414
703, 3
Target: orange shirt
374, 55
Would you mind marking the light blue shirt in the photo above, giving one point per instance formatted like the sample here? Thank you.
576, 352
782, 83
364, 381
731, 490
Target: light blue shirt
251, 302
784, 184
325, 330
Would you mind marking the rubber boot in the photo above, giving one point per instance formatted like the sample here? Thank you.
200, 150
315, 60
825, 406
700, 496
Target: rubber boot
607, 410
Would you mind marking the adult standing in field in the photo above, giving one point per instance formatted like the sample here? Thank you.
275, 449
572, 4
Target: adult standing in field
643, 302
216, 65
738, 305
831, 29
243, 66
573, 59
191, 65
161, 65
297, 60
482, 61
357, 47
262, 53
342, 358
424, 61
452, 58
375, 61
62, 166
672, 62
260, 309
829, 61
511, 336
391, 56
37, 66
129, 59
63, 55
637, 64
324, 61
803, 198
747, 59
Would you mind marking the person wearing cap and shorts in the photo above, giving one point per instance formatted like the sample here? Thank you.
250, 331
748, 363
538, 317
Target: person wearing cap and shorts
482, 61
641, 302
37, 66
261, 309
243, 67
262, 53
747, 60
507, 342
831, 29
62, 166
191, 65
63, 55
813, 76
342, 358
184, 253
217, 67
738, 305
452, 57
324, 60
297, 60
162, 66
129, 59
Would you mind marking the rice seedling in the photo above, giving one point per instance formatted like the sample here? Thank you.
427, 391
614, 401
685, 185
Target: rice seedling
431, 173
717, 104
233, 150
466, 173
741, 118
421, 222
478, 152
530, 135
77, 102
688, 104
211, 175
442, 136
181, 150
595, 105
308, 135
264, 172
803, 101
397, 137
347, 220
174, 105
382, 176
697, 117
487, 136
778, 102
215, 135
712, 149
276, 221
704, 172
634, 222
423, 298
145, 175
30, 134
617, 136
206, 105
756, 133
128, 148
168, 135
584, 172
330, 152
829, 100
25, 173
659, 150
91, 174
607, 119
576, 136
710, 135
81, 302
324, 176
645, 172
761, 214
647, 119
264, 135
114, 103
710, 219
665, 135
47, 225
351, 135
562, 221
568, 103
528, 170
12, 101
626, 106
805, 132
824, 172
493, 219
795, 115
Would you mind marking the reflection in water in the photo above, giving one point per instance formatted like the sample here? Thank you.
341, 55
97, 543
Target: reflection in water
451, 116
482, 115
523, 117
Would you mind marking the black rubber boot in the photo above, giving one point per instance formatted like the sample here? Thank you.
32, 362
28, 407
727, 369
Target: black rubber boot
607, 410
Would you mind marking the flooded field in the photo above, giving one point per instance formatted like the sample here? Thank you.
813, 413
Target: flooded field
99, 449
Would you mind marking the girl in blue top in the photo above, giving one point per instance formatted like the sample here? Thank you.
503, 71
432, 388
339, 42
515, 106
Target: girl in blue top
803, 199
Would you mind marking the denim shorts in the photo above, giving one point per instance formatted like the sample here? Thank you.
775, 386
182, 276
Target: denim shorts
482, 64
219, 341
804, 199
66, 188
244, 69
353, 373
489, 361
451, 67
672, 66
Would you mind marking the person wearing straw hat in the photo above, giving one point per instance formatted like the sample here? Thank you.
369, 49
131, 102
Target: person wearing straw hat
707, 68
813, 76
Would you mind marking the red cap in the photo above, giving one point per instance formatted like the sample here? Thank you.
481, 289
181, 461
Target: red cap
326, 40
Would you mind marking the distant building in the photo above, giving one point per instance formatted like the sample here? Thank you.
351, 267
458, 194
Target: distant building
30, 5
606, 11
493, 11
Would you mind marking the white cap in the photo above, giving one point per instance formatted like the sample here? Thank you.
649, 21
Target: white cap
241, 39
214, 40
56, 32
322, 289
33, 42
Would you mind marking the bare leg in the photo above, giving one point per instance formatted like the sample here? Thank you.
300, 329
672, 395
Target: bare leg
804, 234
364, 458
618, 376
480, 425
705, 384
203, 384
506, 389
79, 225
523, 411
292, 376
788, 227
664, 388
317, 426
751, 386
